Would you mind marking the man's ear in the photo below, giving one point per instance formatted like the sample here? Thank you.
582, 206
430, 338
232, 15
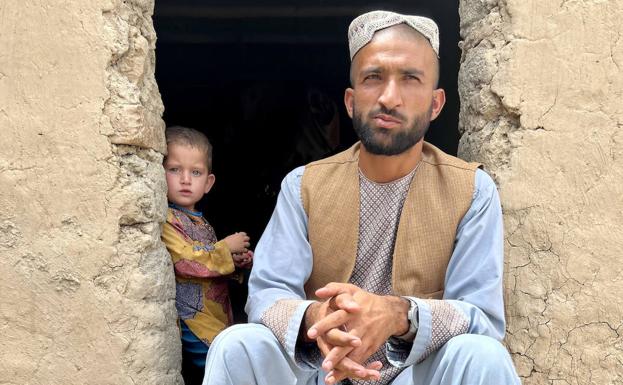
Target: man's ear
439, 100
348, 101
209, 183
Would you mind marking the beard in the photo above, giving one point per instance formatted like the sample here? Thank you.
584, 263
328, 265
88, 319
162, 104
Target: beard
397, 142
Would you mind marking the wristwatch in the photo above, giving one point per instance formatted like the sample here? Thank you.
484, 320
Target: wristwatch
412, 316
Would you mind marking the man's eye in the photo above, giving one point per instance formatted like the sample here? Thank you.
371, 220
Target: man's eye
372, 77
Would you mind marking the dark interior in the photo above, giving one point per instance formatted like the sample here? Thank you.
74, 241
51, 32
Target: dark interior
256, 78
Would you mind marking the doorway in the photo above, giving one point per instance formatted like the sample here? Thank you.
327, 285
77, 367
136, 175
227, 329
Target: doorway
246, 75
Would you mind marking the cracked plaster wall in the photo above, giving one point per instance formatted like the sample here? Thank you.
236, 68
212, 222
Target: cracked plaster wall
87, 293
541, 89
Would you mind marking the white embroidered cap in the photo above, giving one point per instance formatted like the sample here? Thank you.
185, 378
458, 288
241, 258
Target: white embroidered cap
362, 29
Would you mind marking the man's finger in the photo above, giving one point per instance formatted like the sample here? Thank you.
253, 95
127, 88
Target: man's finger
331, 321
349, 368
370, 373
375, 365
334, 356
334, 288
344, 301
324, 347
362, 353
338, 337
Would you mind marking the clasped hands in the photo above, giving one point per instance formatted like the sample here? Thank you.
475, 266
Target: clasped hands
350, 325
238, 244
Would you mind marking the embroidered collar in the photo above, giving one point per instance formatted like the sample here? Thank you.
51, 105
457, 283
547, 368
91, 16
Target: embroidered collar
190, 212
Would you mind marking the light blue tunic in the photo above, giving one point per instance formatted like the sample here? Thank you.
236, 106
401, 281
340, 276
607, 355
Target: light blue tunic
473, 292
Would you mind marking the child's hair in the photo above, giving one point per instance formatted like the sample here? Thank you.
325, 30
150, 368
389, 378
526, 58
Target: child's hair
190, 137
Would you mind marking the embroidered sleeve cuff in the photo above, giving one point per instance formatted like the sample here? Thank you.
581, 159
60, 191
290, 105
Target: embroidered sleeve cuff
439, 321
446, 322
284, 318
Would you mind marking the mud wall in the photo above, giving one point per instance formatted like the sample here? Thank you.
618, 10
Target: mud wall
87, 293
541, 89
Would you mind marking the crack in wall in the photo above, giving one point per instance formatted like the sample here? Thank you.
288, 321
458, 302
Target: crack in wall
561, 242
141, 272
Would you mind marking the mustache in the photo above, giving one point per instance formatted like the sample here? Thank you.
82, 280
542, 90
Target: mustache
387, 111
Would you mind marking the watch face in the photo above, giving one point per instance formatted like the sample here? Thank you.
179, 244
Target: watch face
413, 314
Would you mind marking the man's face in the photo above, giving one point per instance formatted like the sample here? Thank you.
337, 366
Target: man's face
394, 95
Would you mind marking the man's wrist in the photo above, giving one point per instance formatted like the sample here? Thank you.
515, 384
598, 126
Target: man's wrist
309, 318
400, 315
412, 320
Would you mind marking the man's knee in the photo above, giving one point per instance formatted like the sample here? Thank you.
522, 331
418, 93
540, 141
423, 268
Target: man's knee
235, 341
250, 354
472, 346
467, 359
480, 351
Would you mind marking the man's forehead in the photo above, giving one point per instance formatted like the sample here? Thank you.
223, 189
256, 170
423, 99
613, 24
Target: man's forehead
362, 30
392, 46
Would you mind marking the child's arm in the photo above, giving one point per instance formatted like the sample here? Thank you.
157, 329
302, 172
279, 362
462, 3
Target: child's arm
194, 259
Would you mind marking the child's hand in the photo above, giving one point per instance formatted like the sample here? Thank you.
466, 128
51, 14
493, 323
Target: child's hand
237, 242
243, 260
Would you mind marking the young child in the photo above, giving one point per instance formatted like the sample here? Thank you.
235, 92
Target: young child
202, 264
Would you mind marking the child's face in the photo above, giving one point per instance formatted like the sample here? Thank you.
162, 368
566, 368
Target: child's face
188, 178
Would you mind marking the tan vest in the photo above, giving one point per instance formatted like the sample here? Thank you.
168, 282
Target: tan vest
438, 198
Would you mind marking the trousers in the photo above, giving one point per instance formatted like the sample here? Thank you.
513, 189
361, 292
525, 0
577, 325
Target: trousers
194, 353
250, 354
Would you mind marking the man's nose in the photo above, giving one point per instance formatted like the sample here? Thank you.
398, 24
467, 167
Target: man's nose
390, 97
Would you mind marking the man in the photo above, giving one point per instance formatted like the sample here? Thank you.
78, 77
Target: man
382, 263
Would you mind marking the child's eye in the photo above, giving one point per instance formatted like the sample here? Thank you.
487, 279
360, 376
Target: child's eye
196, 173
173, 169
